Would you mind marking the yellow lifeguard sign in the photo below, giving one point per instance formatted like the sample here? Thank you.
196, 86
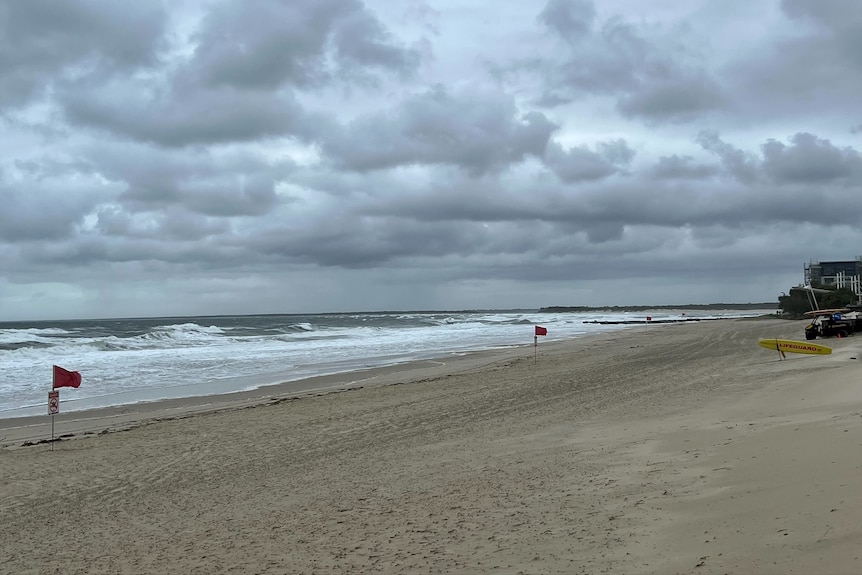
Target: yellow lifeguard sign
793, 346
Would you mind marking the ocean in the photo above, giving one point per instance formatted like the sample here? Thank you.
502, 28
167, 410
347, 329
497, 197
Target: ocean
125, 361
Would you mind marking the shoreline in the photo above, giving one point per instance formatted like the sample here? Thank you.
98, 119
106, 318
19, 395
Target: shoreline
236, 355
86, 422
676, 449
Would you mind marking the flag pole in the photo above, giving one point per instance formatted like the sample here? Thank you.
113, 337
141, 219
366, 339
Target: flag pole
53, 388
67, 379
535, 348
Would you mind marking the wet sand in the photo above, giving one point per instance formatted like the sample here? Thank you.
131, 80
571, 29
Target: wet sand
667, 449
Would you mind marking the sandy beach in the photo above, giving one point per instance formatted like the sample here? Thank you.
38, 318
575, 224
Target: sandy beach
663, 449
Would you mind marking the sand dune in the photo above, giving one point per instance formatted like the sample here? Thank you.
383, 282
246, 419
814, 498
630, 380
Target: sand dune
669, 449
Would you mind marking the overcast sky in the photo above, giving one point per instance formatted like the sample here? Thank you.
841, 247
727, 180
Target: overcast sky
288, 156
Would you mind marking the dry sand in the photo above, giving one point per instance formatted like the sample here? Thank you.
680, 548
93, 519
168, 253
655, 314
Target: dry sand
668, 449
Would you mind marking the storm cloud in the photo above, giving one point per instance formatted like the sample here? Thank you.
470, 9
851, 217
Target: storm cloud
268, 156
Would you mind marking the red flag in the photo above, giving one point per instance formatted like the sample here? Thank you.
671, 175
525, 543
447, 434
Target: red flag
541, 330
66, 378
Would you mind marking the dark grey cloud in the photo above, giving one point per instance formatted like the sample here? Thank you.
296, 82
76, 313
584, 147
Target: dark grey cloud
476, 129
196, 181
251, 61
383, 241
224, 196
648, 79
47, 167
185, 117
610, 61
171, 224
680, 192
269, 43
739, 164
42, 41
807, 160
572, 20
835, 16
817, 67
362, 41
810, 159
676, 95
579, 163
681, 167
164, 255
44, 209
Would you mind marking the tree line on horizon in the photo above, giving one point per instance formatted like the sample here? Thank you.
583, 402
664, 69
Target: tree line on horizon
794, 304
691, 306
799, 301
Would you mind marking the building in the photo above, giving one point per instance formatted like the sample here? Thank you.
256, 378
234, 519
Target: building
835, 274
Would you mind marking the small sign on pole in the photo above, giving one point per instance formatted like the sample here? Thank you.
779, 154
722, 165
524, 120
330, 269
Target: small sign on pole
53, 409
535, 348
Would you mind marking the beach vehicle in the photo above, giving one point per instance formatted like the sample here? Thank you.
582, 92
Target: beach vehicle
833, 323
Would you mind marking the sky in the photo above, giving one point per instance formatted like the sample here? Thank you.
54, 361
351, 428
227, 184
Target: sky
192, 157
